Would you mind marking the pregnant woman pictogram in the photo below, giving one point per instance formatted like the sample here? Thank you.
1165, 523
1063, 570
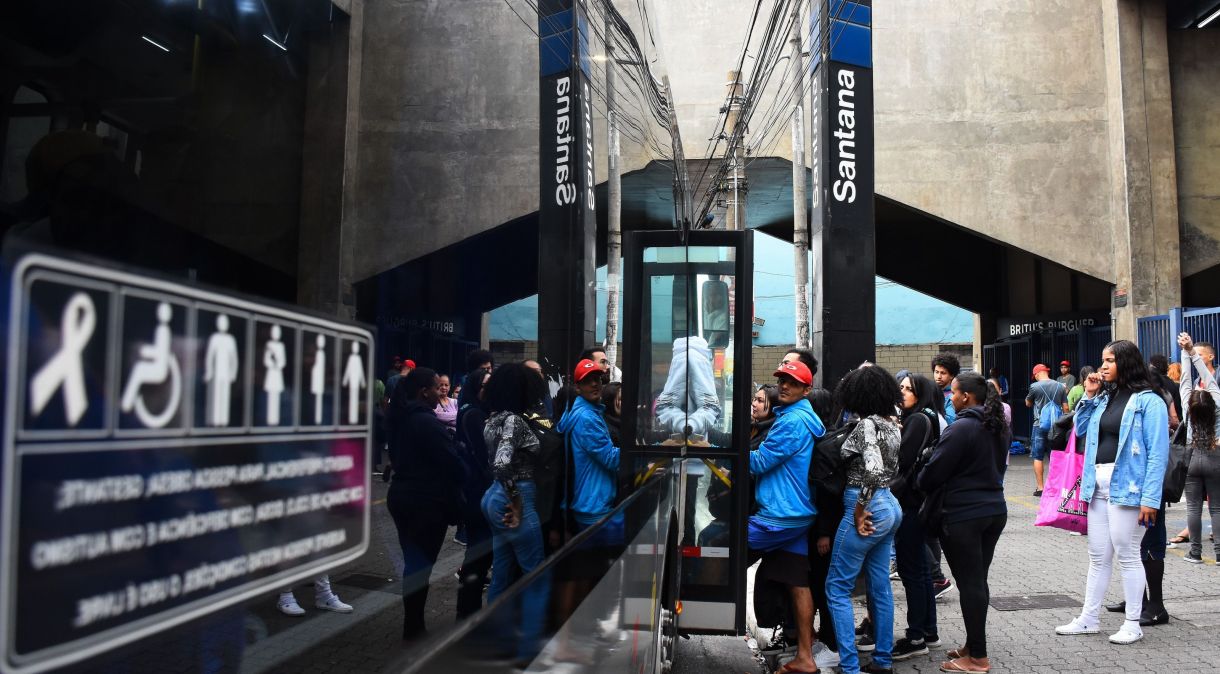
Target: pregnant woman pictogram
275, 358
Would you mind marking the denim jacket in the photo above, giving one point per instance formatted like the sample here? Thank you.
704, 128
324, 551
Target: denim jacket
1143, 448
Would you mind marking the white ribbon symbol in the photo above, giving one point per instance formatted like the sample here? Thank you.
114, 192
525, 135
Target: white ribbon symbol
66, 369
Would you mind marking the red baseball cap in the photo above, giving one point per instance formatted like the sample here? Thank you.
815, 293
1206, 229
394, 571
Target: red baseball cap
409, 363
1040, 368
797, 370
585, 368
1066, 362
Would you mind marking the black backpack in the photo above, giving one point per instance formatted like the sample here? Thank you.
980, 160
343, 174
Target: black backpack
903, 484
549, 468
470, 421
828, 468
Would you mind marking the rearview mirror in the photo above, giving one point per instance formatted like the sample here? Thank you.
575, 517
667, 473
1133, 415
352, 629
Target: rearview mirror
716, 313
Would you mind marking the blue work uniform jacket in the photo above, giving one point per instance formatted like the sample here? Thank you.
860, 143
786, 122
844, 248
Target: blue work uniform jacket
1143, 448
781, 466
594, 461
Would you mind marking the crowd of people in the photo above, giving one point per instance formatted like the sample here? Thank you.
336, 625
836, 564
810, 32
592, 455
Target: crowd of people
878, 479
485, 455
913, 469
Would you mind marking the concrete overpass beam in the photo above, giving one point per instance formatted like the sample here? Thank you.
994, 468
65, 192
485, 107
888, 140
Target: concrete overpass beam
1142, 161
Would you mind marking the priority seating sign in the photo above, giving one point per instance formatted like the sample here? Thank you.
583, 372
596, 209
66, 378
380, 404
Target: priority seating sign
168, 451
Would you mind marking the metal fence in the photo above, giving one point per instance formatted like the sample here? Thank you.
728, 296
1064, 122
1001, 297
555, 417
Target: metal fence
1153, 334
1016, 358
1158, 334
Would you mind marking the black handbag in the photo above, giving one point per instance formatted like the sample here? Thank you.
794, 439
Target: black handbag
932, 511
828, 469
1060, 430
1177, 467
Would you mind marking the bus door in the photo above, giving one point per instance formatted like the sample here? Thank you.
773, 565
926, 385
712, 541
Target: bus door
686, 409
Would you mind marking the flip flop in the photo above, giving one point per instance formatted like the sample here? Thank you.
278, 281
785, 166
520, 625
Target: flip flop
957, 653
787, 669
957, 666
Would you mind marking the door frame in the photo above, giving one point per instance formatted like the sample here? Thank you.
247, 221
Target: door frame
635, 291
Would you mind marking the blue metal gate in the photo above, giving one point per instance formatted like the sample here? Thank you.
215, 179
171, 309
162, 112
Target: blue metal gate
1158, 334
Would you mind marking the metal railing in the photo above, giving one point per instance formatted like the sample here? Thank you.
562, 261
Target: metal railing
1158, 334
493, 640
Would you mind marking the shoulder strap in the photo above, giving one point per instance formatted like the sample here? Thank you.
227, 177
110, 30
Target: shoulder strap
927, 433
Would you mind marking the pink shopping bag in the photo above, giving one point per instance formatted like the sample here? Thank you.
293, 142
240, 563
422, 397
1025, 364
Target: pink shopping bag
1061, 506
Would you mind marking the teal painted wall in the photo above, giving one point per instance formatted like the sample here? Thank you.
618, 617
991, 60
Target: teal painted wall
904, 316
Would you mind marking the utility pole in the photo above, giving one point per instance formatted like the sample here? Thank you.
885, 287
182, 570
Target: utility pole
614, 213
800, 221
735, 215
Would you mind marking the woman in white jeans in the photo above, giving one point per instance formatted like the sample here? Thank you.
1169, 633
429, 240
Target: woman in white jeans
1125, 424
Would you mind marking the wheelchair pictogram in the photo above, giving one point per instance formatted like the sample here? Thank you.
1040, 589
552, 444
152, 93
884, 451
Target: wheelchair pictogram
156, 366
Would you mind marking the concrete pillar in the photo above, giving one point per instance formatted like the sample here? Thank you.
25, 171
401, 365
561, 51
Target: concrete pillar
1142, 161
328, 201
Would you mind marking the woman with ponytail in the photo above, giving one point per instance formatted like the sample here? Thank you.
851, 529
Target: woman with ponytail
968, 463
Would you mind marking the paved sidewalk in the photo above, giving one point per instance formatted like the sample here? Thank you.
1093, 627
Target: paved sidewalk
1029, 561
1035, 560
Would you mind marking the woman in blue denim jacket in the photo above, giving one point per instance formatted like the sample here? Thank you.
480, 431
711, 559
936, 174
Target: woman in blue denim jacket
1125, 424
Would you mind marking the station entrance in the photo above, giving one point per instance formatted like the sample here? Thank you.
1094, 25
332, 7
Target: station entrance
1016, 357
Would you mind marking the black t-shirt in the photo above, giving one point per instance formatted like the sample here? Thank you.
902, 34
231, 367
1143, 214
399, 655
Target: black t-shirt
1111, 423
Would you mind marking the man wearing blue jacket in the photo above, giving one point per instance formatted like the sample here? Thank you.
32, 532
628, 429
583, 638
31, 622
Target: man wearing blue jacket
594, 456
778, 532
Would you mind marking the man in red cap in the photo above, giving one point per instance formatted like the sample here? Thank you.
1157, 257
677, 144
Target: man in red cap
404, 368
779, 531
1066, 378
594, 457
1045, 391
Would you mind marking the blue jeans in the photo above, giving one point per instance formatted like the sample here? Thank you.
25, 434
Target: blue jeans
852, 554
516, 552
1039, 448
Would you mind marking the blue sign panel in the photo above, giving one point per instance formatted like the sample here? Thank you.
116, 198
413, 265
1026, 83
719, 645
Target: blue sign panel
168, 451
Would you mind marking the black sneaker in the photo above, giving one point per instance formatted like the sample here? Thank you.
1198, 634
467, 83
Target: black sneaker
865, 627
872, 668
865, 643
941, 588
780, 643
932, 640
1037, 492
906, 648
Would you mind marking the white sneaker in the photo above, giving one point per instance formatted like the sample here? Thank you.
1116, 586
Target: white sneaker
288, 606
825, 659
1077, 626
332, 603
1129, 633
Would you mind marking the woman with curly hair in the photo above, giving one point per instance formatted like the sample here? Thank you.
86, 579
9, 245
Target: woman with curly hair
871, 514
968, 465
508, 504
1126, 423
